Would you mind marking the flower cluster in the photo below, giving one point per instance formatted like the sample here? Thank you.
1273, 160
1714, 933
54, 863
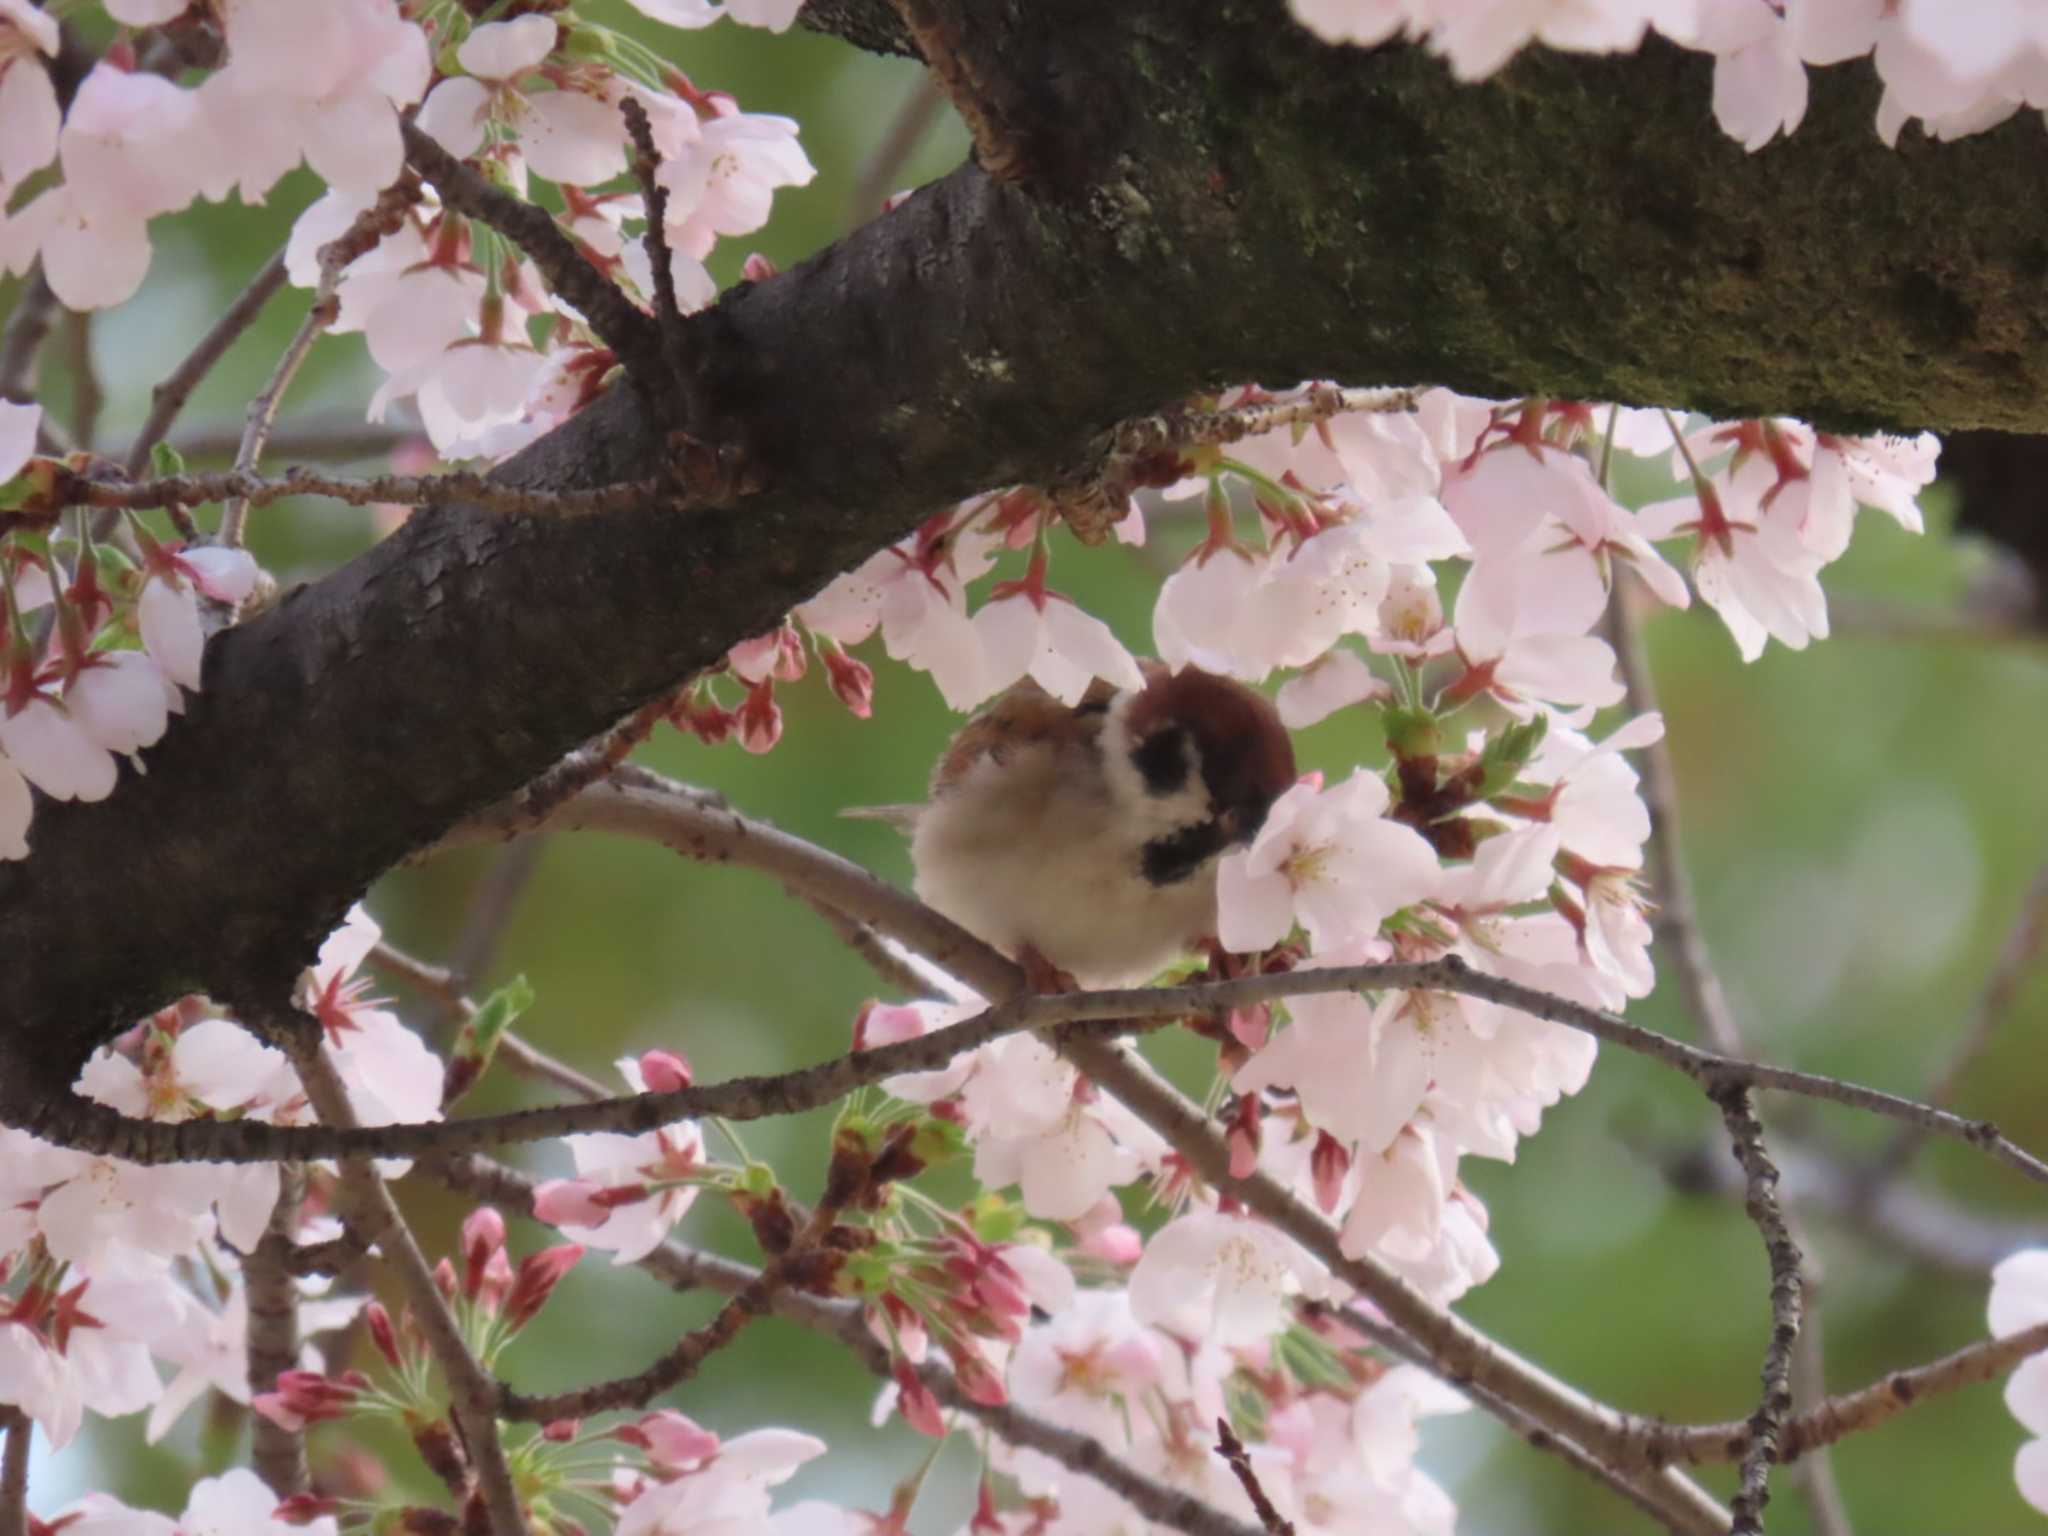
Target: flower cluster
108, 1265
118, 641
1958, 69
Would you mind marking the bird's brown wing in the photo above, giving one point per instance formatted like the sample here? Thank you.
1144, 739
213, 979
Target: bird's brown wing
1021, 716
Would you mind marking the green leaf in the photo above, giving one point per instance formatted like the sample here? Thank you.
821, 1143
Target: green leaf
165, 461
486, 1027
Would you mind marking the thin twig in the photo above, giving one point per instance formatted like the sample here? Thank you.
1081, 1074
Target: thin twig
685, 1269
334, 437
912, 119
668, 314
526, 1059
472, 1393
2016, 961
491, 905
14, 1458
27, 329
1814, 1476
169, 397
617, 321
1746, 1133
693, 1348
87, 398
255, 490
1451, 1348
1852, 1413
1683, 942
1919, 1225
383, 217
272, 1295
895, 967
1232, 1450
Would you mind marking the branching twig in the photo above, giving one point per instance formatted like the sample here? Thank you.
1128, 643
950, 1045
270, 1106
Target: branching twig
27, 329
334, 437
472, 1394
668, 314
279, 1454
256, 490
685, 1269
1232, 1450
87, 398
913, 117
169, 397
693, 1348
1746, 1133
1854, 1412
491, 906
383, 217
618, 322
2016, 960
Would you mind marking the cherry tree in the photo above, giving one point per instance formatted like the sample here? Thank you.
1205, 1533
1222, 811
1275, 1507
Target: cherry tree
1430, 346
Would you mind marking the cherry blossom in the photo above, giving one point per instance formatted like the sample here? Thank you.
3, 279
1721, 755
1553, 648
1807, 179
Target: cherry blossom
1326, 858
1232, 1280
29, 120
565, 135
629, 1190
169, 606
724, 180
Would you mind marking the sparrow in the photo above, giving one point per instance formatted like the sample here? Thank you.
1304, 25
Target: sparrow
1084, 840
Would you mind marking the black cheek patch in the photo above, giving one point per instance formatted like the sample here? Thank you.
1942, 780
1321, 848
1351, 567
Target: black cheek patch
1172, 859
1162, 761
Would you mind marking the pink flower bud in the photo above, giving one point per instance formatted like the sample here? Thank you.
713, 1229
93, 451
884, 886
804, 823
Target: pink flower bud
757, 268
306, 1397
1328, 1164
305, 1508
536, 1281
569, 1203
760, 718
672, 1439
1244, 1138
853, 681
664, 1071
483, 1234
977, 1378
561, 1431
915, 1402
444, 1279
382, 1334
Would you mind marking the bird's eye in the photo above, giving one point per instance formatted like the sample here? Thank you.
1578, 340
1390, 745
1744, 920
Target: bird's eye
1162, 761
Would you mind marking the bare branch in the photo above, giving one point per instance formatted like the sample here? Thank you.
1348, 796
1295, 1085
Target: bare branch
381, 218
256, 490
646, 167
472, 1394
169, 397
491, 906
331, 436
2016, 960
27, 329
693, 1348
1854, 1412
1746, 1132
87, 398
1232, 1450
685, 1269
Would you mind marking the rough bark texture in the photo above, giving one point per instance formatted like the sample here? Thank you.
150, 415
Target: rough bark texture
1209, 195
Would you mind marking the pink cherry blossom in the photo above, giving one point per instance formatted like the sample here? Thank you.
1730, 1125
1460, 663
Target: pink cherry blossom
723, 182
565, 135
1232, 1280
1054, 643
1326, 858
169, 606
53, 751
29, 120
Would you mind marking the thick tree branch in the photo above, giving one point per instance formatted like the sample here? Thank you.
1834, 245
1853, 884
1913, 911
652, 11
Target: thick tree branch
1578, 227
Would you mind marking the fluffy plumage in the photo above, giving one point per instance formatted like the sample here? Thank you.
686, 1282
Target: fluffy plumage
1088, 837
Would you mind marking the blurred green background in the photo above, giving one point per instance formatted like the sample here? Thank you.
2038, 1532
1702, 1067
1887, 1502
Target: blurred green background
1861, 821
